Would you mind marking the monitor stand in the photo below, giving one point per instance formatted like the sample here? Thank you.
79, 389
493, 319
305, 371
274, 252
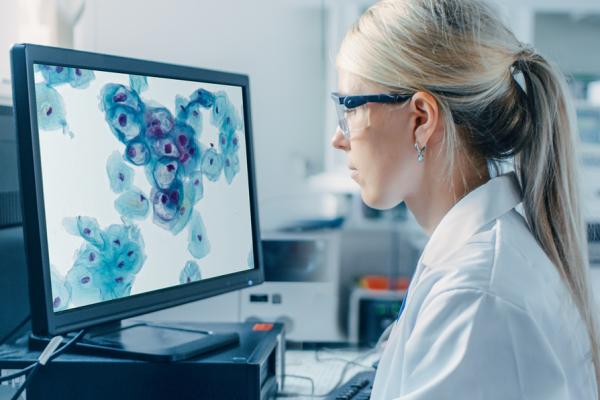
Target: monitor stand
147, 341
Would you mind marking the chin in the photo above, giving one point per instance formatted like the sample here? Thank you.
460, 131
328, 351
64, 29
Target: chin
378, 200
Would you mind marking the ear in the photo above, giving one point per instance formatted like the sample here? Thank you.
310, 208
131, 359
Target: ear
425, 118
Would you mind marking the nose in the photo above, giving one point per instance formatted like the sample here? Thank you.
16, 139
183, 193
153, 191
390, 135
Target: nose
339, 141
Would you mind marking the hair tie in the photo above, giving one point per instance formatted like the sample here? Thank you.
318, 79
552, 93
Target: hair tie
517, 70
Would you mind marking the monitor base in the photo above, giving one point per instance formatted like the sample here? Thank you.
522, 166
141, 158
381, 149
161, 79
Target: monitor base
147, 341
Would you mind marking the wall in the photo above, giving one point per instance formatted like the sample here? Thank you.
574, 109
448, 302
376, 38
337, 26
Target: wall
571, 41
8, 35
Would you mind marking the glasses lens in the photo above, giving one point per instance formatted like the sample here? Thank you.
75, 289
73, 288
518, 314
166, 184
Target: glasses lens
341, 114
353, 119
357, 119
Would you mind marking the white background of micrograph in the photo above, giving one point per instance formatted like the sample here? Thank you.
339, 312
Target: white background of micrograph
75, 183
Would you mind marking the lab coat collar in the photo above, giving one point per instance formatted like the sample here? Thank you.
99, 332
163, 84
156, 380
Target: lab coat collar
479, 207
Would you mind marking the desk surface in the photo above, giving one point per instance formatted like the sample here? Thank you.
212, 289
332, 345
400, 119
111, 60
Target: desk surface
324, 367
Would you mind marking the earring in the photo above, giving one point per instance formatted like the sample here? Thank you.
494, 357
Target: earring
419, 152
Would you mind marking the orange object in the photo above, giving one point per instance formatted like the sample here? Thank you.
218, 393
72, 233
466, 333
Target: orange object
262, 327
381, 282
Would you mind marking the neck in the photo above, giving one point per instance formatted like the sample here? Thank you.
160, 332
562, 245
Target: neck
437, 195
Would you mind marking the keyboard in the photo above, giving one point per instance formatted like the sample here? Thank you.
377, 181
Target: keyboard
356, 388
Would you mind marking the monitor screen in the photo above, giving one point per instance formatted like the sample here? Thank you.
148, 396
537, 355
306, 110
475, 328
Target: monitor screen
142, 188
144, 179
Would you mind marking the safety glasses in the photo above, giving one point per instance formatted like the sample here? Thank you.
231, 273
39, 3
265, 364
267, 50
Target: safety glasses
352, 117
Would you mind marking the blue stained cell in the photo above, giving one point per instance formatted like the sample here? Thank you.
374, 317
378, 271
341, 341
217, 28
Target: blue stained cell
166, 148
166, 205
224, 115
181, 104
80, 78
185, 209
90, 257
113, 94
114, 285
137, 152
165, 172
190, 273
89, 229
190, 114
211, 164
132, 204
139, 83
124, 122
61, 290
85, 286
51, 112
120, 175
198, 244
158, 122
116, 236
194, 119
231, 166
203, 97
55, 74
196, 184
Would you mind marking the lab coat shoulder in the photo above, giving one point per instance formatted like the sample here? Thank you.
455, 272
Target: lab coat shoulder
470, 339
489, 318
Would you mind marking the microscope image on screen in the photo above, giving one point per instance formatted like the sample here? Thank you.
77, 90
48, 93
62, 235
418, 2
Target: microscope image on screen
147, 182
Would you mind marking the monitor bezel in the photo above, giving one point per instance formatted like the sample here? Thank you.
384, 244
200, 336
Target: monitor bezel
44, 320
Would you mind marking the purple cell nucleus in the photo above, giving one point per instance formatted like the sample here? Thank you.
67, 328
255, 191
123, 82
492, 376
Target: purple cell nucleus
119, 97
122, 120
85, 279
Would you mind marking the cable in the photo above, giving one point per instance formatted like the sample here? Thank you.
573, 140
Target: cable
17, 374
332, 351
15, 330
297, 394
43, 359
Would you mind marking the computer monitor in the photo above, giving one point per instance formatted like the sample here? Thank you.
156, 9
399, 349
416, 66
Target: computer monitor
137, 183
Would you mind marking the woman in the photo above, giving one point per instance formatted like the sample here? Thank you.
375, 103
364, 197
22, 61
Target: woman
431, 93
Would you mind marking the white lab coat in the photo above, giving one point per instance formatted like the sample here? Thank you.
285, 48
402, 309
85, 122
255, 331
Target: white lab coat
487, 315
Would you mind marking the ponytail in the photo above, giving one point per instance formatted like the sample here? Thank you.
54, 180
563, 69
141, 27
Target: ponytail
546, 168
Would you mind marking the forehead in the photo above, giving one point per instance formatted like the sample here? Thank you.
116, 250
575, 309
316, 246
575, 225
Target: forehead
349, 83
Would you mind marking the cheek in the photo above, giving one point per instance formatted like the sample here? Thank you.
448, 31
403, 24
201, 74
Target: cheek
387, 177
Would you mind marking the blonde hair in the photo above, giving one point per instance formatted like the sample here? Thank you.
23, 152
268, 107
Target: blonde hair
461, 53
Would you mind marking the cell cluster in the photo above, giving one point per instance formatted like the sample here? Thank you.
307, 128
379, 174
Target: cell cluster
51, 111
105, 265
169, 149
